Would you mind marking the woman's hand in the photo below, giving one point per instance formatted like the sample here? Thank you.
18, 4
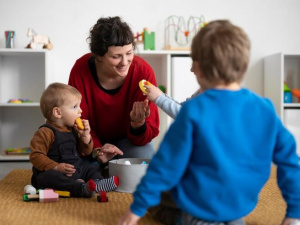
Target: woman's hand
129, 219
106, 153
140, 111
66, 169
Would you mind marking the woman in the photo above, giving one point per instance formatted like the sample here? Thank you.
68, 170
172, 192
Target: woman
108, 79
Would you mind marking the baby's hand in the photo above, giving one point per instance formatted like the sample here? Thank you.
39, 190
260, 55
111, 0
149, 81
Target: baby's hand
153, 92
85, 133
65, 168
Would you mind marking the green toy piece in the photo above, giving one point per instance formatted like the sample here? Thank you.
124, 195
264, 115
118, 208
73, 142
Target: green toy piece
149, 40
286, 88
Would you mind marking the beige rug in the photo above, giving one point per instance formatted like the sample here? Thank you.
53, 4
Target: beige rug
73, 211
14, 211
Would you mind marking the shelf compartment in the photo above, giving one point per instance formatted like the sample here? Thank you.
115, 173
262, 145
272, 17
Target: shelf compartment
22, 76
18, 126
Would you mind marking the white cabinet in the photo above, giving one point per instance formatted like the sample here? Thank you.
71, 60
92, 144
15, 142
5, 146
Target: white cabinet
283, 68
172, 70
22, 76
183, 82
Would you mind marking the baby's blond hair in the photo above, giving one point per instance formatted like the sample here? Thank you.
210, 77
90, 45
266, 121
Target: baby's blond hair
55, 96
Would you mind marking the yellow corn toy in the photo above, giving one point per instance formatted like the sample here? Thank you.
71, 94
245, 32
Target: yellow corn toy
142, 85
79, 123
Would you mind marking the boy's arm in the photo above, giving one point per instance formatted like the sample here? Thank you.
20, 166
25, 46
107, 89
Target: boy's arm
168, 105
163, 101
39, 146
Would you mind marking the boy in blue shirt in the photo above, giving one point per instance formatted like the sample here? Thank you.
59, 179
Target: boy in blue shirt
217, 155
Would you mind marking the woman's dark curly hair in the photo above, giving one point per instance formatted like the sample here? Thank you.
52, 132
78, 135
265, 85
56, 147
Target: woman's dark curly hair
110, 31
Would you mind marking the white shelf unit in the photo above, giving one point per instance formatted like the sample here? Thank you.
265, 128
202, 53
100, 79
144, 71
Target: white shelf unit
169, 68
283, 68
23, 75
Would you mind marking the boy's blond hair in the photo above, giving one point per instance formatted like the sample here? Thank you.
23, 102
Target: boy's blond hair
222, 51
55, 96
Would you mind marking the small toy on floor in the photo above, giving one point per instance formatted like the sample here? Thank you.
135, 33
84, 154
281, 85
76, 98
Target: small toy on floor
47, 195
64, 194
29, 189
102, 197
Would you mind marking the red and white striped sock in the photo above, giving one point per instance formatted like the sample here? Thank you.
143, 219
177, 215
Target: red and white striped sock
107, 185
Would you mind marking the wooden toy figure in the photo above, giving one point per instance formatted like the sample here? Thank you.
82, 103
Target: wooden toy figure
38, 39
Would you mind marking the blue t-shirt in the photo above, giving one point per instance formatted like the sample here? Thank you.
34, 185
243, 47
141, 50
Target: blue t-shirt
217, 155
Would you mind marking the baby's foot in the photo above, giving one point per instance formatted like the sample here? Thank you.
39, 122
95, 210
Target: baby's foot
88, 189
109, 184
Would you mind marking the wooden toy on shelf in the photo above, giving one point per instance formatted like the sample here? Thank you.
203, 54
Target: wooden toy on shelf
17, 151
38, 39
147, 38
287, 94
19, 100
179, 32
296, 93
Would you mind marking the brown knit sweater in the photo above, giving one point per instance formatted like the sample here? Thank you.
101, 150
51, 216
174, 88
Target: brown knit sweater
42, 142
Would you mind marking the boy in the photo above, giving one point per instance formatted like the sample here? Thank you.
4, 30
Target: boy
217, 154
56, 147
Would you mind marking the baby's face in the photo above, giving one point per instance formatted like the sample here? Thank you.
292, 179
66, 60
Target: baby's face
70, 111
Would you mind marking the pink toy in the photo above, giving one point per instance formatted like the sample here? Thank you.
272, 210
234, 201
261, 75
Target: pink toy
48, 195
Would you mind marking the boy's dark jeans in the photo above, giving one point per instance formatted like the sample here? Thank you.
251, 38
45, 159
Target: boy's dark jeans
169, 214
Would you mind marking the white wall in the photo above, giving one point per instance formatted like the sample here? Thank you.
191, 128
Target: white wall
273, 25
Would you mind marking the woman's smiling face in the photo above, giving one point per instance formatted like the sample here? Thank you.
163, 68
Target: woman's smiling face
117, 60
